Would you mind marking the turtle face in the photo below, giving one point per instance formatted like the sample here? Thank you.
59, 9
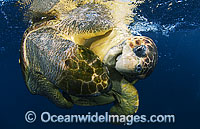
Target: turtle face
138, 58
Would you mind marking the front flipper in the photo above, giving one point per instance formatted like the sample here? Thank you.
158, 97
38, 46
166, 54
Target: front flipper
127, 100
38, 84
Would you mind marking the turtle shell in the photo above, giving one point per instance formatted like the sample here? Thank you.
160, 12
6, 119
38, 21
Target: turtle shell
84, 73
89, 18
86, 22
72, 68
65, 61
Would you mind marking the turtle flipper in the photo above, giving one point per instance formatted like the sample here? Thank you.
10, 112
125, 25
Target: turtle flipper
38, 84
127, 101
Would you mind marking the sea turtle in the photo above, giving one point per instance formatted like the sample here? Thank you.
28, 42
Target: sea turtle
85, 49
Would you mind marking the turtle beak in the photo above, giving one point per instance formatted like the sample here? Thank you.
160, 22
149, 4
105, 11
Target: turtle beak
127, 62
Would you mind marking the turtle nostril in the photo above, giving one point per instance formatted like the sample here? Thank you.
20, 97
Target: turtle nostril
140, 51
139, 68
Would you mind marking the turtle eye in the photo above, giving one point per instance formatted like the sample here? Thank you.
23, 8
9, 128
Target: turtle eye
140, 51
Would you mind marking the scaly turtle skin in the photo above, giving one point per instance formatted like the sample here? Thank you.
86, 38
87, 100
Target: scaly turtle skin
68, 53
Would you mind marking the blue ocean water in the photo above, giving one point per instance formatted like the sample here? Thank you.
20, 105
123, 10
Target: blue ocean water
173, 88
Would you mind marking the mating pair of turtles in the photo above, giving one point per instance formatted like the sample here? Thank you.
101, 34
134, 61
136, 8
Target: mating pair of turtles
81, 52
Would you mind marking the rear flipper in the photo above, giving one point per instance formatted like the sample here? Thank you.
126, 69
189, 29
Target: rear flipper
127, 100
38, 84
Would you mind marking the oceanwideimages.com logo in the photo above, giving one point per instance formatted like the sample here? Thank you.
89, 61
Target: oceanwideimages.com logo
46, 117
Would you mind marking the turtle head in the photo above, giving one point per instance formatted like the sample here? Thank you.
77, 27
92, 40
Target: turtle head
138, 58
135, 58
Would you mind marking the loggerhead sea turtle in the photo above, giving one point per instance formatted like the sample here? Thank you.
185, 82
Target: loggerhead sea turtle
85, 49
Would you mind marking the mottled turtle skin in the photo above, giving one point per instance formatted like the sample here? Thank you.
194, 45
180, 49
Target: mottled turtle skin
84, 54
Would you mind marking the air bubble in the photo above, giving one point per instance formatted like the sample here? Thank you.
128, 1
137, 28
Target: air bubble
178, 1
2, 50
